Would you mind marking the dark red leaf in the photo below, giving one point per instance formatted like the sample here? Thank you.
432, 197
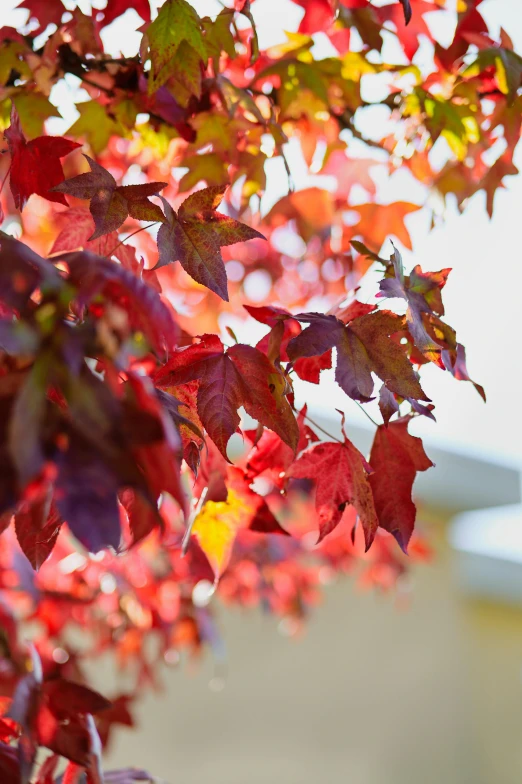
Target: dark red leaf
35, 165
395, 458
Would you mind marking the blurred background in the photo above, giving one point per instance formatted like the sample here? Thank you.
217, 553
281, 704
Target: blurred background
422, 685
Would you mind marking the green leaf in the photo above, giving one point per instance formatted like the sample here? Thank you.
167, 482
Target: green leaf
218, 37
33, 110
95, 125
508, 66
185, 78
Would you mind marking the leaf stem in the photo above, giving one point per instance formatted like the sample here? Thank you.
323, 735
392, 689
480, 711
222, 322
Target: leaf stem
142, 228
326, 433
372, 420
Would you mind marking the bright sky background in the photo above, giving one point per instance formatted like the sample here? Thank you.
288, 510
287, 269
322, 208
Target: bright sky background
484, 290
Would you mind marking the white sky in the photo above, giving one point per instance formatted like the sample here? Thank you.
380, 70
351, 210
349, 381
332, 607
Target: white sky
484, 290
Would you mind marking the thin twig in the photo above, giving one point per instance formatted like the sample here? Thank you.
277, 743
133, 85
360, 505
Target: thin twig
106, 90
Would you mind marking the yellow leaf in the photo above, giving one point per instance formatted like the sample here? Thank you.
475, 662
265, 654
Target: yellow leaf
216, 527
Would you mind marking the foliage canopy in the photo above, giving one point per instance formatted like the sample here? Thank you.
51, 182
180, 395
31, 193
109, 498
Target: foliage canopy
122, 381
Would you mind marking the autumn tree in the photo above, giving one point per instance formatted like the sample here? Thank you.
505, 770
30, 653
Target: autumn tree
132, 241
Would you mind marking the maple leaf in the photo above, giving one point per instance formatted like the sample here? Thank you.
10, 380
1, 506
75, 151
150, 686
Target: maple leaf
86, 497
93, 275
410, 24
388, 405
112, 204
95, 125
46, 12
349, 172
37, 528
395, 458
421, 290
35, 164
116, 8
242, 376
270, 455
218, 37
363, 346
311, 208
455, 362
195, 235
33, 109
182, 408
77, 227
22, 271
378, 221
319, 15
159, 457
176, 22
218, 523
341, 476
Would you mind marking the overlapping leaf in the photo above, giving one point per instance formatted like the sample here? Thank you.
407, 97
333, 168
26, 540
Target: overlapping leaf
422, 292
241, 376
218, 523
195, 235
35, 165
177, 23
395, 458
340, 473
112, 204
363, 347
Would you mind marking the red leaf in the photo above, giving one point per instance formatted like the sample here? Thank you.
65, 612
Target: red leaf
9, 765
455, 362
363, 346
77, 227
35, 165
67, 699
37, 528
45, 11
86, 497
421, 290
395, 458
111, 204
341, 476
271, 455
319, 15
309, 369
195, 235
160, 459
243, 376
116, 8
93, 275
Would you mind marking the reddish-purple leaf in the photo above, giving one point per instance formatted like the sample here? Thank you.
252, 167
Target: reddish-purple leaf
195, 235
341, 476
111, 204
422, 292
86, 497
93, 275
37, 526
243, 376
